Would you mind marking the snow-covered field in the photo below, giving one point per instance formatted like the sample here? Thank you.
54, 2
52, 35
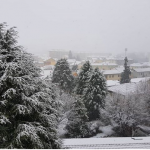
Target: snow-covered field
108, 143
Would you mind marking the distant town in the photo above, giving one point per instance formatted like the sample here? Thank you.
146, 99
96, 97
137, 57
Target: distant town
111, 66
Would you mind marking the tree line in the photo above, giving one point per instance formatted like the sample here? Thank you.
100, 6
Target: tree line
89, 90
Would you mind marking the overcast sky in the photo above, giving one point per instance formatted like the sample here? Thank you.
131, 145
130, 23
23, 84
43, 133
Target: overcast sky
79, 25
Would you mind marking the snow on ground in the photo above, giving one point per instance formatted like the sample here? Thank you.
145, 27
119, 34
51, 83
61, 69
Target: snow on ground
106, 131
97, 143
61, 127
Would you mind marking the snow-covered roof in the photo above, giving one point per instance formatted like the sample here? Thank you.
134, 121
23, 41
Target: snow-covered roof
45, 73
112, 82
104, 64
117, 70
107, 143
124, 89
77, 62
142, 69
48, 67
113, 71
111, 58
71, 60
140, 64
47, 58
122, 58
135, 80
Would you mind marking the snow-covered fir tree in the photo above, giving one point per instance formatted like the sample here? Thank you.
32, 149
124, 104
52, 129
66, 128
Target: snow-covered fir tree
83, 77
125, 76
94, 94
28, 115
77, 126
63, 76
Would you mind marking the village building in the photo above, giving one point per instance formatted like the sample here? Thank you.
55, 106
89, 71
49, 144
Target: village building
110, 83
96, 59
112, 74
120, 61
47, 71
111, 60
140, 72
50, 61
130, 89
39, 63
123, 89
104, 65
140, 65
99, 60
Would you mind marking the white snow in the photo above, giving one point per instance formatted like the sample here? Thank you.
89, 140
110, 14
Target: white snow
124, 89
113, 71
46, 73
61, 127
135, 80
106, 131
126, 142
144, 64
112, 82
103, 64
4, 119
142, 69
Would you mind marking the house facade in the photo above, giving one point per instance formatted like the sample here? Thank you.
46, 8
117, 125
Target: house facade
140, 72
50, 61
112, 74
104, 65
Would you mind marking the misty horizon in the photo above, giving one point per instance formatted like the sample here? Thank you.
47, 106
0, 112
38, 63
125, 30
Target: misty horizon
80, 26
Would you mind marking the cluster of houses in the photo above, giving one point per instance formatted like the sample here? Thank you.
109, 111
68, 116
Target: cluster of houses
112, 67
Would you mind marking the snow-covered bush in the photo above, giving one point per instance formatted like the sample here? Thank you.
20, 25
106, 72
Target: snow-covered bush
77, 121
28, 115
130, 111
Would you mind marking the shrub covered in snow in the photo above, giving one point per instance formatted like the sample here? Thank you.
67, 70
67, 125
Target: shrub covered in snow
129, 111
77, 126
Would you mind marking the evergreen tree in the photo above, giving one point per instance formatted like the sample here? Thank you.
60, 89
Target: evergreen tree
83, 77
77, 126
28, 115
125, 76
94, 94
63, 75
